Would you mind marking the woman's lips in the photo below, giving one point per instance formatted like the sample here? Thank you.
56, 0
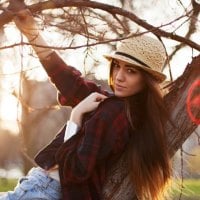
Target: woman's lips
119, 87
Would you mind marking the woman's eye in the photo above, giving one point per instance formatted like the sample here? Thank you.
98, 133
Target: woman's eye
131, 71
116, 65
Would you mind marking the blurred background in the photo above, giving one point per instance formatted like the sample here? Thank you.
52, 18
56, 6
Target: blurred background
29, 113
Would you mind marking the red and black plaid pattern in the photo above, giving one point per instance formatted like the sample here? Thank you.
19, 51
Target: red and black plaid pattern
85, 158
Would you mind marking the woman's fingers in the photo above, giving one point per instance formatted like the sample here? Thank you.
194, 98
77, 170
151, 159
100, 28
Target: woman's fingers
23, 16
91, 102
99, 97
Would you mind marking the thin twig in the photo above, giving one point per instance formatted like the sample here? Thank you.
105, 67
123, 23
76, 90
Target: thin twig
108, 8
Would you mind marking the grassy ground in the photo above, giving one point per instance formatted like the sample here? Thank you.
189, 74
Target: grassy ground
191, 189
7, 184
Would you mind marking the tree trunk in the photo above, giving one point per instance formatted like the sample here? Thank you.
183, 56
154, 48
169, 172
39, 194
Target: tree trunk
118, 185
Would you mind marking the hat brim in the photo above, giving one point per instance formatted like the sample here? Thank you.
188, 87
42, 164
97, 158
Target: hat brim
160, 77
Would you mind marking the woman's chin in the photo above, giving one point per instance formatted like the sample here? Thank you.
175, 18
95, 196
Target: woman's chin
119, 94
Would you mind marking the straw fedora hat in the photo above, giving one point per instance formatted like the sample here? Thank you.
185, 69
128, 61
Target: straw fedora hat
143, 52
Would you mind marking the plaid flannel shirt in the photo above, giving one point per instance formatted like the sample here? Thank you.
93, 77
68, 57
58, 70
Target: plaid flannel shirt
85, 158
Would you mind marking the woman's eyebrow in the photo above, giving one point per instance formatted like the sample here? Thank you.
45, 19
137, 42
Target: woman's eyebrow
115, 61
130, 66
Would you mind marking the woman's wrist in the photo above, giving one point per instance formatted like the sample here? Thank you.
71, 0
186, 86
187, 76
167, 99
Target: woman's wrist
76, 116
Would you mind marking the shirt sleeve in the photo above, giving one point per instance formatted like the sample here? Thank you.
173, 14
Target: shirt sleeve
105, 133
45, 158
72, 88
71, 129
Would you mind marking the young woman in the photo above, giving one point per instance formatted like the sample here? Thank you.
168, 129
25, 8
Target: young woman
102, 126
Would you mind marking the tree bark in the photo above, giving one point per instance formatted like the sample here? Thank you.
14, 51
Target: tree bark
118, 185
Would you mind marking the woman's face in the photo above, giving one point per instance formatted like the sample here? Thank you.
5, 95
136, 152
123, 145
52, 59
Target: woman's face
127, 80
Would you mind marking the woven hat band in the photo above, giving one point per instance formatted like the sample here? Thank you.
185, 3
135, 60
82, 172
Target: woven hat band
132, 58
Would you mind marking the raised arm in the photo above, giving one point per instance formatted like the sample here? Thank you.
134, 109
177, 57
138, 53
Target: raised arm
28, 26
71, 86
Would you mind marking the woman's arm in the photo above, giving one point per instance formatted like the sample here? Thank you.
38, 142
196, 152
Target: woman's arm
89, 104
71, 86
28, 26
105, 134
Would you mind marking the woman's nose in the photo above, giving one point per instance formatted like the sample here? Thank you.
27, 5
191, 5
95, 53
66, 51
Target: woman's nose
120, 75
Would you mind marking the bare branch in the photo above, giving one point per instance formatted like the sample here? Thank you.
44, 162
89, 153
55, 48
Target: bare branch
191, 29
113, 10
72, 47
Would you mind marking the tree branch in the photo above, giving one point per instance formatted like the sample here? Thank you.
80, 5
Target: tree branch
6, 16
192, 28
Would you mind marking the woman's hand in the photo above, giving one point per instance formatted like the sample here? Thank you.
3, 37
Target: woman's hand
28, 26
89, 104
26, 23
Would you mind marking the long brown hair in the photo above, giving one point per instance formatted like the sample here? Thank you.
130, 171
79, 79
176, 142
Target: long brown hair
147, 153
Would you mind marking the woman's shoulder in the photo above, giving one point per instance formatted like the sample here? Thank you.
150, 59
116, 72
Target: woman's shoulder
112, 106
113, 102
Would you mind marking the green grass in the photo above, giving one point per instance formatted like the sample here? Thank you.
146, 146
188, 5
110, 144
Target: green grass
7, 184
190, 191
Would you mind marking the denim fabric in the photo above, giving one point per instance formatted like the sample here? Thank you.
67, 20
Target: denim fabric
36, 185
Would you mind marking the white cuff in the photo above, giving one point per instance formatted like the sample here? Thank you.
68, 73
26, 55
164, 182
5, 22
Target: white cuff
71, 129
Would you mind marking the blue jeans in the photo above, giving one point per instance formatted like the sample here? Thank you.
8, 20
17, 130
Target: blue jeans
36, 185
